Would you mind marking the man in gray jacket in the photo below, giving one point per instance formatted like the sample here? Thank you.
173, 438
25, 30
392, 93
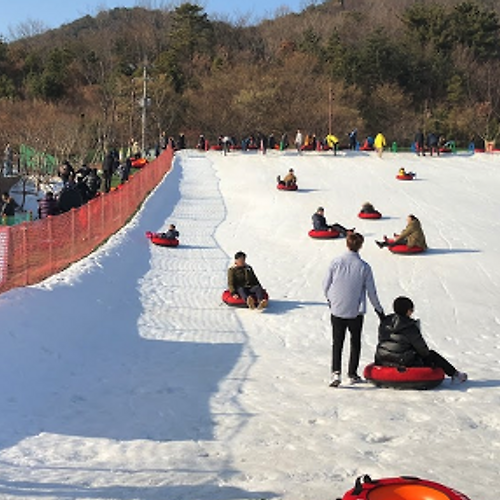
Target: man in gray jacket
348, 281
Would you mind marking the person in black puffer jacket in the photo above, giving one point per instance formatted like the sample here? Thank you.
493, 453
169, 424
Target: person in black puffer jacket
400, 343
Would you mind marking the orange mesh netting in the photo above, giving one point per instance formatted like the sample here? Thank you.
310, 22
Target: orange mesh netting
32, 251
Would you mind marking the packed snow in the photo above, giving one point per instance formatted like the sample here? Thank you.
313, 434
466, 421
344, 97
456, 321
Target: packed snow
126, 377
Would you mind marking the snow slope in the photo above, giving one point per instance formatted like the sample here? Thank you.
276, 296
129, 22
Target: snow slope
124, 377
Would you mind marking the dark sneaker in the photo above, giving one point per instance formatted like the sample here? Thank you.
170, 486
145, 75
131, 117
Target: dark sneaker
459, 377
354, 379
380, 244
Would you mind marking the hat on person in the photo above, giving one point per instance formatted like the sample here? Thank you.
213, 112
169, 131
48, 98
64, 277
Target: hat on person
402, 305
320, 209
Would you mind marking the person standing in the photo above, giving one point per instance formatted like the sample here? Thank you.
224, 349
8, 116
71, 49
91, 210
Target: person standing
108, 168
47, 206
353, 139
379, 144
348, 280
432, 143
420, 143
299, 140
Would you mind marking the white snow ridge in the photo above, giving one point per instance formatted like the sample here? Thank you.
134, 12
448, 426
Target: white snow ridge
126, 377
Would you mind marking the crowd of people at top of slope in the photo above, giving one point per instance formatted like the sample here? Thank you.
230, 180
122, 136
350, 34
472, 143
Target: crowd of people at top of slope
432, 143
84, 184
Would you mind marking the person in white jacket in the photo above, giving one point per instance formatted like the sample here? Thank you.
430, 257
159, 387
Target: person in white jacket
299, 140
347, 283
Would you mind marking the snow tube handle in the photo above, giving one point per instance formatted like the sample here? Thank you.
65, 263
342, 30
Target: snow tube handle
358, 487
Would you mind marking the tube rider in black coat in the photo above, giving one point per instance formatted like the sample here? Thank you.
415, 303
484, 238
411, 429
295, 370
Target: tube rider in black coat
400, 343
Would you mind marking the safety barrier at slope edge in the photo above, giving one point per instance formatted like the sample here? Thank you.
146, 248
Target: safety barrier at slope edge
33, 251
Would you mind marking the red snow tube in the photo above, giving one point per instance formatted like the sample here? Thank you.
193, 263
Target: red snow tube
401, 488
216, 147
406, 177
374, 215
415, 377
284, 187
405, 249
323, 235
238, 301
139, 162
159, 240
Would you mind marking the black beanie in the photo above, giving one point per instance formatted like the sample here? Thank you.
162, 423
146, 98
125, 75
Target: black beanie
402, 305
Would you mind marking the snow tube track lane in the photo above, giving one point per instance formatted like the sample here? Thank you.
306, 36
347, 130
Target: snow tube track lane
181, 293
178, 289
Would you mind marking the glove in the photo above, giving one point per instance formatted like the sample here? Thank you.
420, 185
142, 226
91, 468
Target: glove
380, 315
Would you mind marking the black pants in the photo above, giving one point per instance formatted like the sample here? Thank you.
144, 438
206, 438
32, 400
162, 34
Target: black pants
256, 290
435, 360
339, 327
339, 228
107, 181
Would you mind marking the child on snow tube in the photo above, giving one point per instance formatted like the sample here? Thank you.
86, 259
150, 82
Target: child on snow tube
401, 344
403, 174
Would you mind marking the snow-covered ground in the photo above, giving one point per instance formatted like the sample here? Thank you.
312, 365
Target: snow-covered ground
124, 377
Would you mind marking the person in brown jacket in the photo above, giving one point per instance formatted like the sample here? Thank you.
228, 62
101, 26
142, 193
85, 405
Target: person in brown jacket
289, 180
243, 282
412, 236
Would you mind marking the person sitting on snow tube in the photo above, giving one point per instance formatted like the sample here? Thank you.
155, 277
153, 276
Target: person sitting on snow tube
319, 223
289, 180
401, 344
412, 236
368, 208
243, 282
403, 174
171, 234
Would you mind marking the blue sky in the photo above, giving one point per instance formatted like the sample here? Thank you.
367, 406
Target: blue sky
53, 13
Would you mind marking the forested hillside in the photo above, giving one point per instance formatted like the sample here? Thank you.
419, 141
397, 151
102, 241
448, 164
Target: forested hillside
392, 65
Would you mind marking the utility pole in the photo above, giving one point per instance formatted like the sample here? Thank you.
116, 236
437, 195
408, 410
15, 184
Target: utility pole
144, 106
330, 105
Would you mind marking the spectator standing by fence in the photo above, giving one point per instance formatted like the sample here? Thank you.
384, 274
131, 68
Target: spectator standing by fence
9, 205
47, 206
69, 197
108, 168
66, 171
93, 182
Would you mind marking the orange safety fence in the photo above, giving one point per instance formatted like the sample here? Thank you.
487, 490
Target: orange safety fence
32, 251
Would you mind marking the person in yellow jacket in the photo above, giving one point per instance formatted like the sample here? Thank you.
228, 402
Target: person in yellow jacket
332, 142
379, 144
